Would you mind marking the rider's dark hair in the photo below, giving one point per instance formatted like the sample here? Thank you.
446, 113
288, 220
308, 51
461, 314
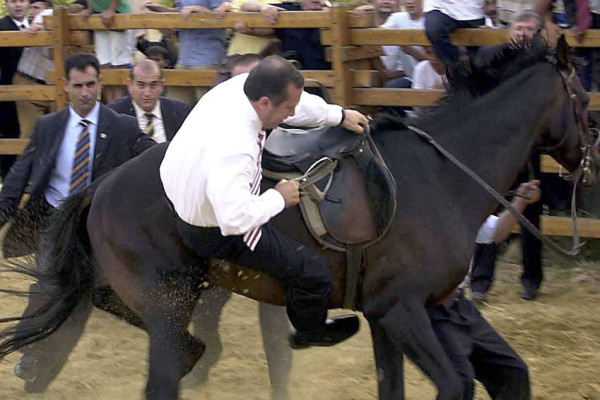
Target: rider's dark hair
80, 61
271, 78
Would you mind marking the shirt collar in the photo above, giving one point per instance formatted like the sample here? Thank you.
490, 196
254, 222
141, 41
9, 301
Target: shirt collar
155, 111
92, 115
19, 23
248, 108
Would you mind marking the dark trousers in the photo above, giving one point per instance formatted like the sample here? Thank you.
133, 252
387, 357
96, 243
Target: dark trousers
438, 27
477, 351
589, 70
304, 274
483, 267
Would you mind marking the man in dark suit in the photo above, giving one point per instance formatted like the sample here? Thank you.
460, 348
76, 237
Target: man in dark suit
67, 151
9, 58
157, 116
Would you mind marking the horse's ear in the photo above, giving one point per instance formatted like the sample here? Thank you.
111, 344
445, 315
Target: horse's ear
563, 54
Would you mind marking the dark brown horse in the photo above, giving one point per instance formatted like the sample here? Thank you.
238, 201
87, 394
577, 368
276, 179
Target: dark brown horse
122, 233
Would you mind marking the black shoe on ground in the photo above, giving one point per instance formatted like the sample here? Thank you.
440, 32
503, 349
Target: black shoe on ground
336, 330
25, 368
529, 293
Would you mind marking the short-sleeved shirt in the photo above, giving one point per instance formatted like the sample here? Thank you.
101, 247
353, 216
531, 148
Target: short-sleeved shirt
306, 43
200, 46
487, 230
460, 10
395, 58
123, 7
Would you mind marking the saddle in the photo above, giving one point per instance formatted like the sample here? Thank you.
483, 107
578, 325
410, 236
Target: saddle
349, 210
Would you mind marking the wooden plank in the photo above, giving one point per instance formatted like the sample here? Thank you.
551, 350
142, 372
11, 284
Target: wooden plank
339, 27
27, 92
13, 146
22, 39
395, 97
353, 53
550, 166
365, 78
149, 20
366, 20
61, 39
81, 38
594, 101
563, 226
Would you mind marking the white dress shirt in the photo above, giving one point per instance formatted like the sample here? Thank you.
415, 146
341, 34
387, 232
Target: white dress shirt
460, 10
159, 127
209, 167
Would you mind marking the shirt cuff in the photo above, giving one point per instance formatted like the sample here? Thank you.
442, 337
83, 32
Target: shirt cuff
275, 201
334, 115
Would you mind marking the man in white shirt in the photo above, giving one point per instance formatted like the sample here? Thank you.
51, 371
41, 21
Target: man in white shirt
400, 61
445, 16
211, 173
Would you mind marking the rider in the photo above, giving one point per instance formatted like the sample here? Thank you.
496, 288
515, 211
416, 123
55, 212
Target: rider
211, 173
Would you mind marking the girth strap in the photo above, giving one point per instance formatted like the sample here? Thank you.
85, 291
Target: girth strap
354, 262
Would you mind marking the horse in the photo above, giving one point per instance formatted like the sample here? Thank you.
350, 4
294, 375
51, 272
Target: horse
120, 232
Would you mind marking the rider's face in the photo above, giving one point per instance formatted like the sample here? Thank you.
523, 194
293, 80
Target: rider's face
272, 115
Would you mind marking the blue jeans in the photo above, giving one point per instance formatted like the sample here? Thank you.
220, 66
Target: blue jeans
438, 27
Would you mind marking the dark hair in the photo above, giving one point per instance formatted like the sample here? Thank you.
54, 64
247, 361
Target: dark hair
271, 78
80, 61
156, 50
232, 61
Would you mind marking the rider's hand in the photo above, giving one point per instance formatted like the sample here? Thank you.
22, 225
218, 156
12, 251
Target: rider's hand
290, 190
529, 192
354, 121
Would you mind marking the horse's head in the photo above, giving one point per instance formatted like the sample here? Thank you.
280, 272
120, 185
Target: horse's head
568, 138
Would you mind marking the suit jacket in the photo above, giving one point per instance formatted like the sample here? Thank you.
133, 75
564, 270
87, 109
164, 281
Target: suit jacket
174, 112
118, 138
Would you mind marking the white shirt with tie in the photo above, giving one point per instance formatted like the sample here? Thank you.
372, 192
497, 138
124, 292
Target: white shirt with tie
22, 25
159, 135
210, 166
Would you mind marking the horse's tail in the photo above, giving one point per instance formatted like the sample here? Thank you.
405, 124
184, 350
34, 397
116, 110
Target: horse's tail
64, 274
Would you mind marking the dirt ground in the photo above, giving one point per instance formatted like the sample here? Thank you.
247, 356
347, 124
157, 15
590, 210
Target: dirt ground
557, 335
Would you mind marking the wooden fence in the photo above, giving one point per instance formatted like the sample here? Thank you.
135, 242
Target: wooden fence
353, 43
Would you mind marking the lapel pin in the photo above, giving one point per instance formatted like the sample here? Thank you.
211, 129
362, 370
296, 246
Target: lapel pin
103, 136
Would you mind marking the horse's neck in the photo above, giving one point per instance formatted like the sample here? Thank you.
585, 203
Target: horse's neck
496, 141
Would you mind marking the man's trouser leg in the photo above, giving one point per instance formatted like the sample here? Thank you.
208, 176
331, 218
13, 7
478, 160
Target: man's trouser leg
304, 274
532, 249
29, 111
484, 264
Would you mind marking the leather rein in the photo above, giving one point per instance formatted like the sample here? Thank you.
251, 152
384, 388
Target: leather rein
582, 172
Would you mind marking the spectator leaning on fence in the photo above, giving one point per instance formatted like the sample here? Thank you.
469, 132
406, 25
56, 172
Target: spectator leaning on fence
382, 9
166, 57
158, 117
114, 48
303, 45
16, 20
249, 40
32, 68
445, 16
199, 49
400, 61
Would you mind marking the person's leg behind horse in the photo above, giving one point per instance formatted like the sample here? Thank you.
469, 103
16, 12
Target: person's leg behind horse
274, 325
532, 276
454, 334
205, 322
482, 270
304, 274
497, 366
409, 328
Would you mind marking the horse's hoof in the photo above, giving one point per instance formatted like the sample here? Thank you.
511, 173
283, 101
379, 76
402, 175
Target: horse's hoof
25, 368
336, 330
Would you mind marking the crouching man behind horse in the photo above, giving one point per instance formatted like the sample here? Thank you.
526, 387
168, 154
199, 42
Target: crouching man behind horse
211, 173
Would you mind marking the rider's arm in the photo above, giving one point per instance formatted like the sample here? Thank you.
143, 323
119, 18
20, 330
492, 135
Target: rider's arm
313, 110
228, 189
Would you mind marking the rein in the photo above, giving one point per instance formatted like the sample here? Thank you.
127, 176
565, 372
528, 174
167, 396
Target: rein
524, 221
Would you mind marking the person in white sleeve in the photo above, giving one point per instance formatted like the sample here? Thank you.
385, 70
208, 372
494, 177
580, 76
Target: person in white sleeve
211, 173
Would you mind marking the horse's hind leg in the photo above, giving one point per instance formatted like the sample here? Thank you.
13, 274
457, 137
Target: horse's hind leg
173, 351
408, 326
275, 328
388, 363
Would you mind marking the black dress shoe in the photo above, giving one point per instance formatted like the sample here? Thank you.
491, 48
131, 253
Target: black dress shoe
335, 330
26, 367
529, 293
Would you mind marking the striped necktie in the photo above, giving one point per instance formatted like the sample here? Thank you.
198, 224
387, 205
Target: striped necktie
81, 167
252, 237
150, 126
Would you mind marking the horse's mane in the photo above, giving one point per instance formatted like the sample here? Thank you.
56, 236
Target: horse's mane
477, 76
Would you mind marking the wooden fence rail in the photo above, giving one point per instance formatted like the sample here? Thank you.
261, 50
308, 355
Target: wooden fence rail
352, 40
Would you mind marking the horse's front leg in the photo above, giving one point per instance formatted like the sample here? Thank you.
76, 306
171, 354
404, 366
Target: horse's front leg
173, 351
408, 327
389, 366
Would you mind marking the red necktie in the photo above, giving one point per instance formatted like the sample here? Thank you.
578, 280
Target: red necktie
584, 15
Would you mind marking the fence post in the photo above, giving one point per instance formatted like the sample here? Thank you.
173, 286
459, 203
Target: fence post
60, 34
340, 38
